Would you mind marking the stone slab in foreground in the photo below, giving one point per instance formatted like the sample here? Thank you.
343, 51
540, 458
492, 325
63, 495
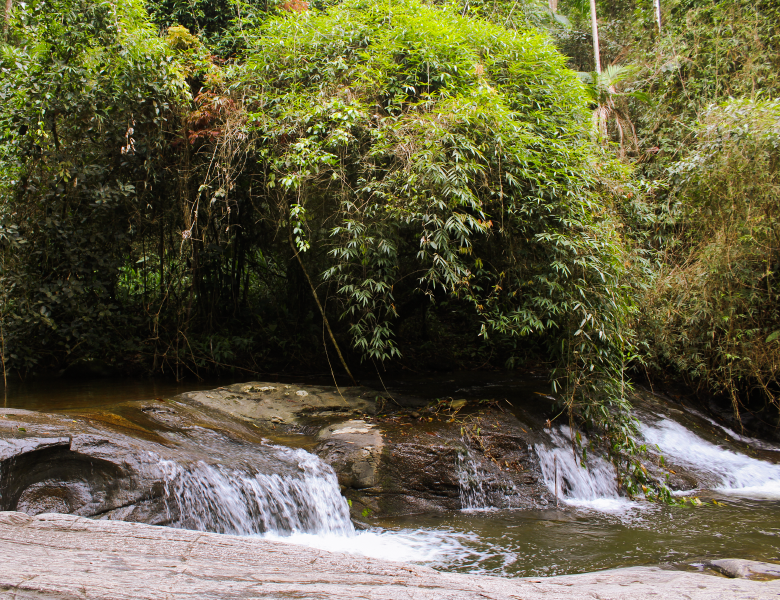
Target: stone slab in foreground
65, 556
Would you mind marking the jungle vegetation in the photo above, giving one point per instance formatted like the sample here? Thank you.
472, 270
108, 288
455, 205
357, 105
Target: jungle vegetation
201, 187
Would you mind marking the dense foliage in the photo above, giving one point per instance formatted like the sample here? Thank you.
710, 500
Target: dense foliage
714, 312
84, 92
426, 152
705, 232
252, 185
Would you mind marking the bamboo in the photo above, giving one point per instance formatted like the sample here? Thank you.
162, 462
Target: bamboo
2, 356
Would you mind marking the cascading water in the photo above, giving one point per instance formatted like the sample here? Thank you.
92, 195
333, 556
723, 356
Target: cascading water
593, 485
471, 480
246, 502
719, 469
752, 442
300, 505
716, 468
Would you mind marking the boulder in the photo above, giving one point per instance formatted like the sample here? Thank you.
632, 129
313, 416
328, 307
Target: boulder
295, 406
130, 463
406, 464
392, 456
398, 456
53, 463
745, 569
354, 450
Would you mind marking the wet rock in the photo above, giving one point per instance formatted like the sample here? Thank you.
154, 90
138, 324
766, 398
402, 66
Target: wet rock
107, 464
394, 466
64, 465
418, 477
745, 569
116, 465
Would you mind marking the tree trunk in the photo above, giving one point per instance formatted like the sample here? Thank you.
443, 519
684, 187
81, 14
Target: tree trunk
595, 28
9, 4
657, 5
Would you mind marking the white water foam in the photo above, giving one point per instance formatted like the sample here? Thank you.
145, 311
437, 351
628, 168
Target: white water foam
242, 502
405, 545
304, 508
721, 470
756, 443
593, 486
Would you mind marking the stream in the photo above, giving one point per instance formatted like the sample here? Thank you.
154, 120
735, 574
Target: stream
592, 528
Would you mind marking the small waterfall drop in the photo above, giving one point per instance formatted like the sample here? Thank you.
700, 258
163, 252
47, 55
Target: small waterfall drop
242, 501
593, 485
719, 469
471, 481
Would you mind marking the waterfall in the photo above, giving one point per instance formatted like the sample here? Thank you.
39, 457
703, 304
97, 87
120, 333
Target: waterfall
718, 469
593, 485
243, 501
471, 480
753, 442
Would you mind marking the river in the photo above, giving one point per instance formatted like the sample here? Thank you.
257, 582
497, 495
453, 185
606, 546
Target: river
592, 528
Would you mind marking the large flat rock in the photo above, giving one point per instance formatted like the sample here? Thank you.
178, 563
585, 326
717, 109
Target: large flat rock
66, 556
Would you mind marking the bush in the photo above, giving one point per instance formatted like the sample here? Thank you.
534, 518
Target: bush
714, 312
431, 153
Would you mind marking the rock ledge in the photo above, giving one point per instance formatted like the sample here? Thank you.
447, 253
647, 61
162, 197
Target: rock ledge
66, 556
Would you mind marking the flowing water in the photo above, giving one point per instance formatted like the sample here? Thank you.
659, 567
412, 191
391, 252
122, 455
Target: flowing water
592, 528
593, 487
471, 480
246, 502
721, 470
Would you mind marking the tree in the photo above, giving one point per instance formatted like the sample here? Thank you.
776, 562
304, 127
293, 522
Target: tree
594, 26
86, 94
608, 109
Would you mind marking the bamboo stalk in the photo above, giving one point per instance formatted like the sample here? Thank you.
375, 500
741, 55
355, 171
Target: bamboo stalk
322, 310
9, 4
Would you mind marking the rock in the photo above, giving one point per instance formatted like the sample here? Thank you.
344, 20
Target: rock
287, 404
460, 455
745, 569
101, 464
69, 557
67, 465
354, 449
391, 468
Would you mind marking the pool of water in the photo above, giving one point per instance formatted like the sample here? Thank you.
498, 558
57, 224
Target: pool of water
71, 394
573, 540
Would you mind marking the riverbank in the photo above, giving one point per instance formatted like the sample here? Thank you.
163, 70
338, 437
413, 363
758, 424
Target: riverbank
65, 556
